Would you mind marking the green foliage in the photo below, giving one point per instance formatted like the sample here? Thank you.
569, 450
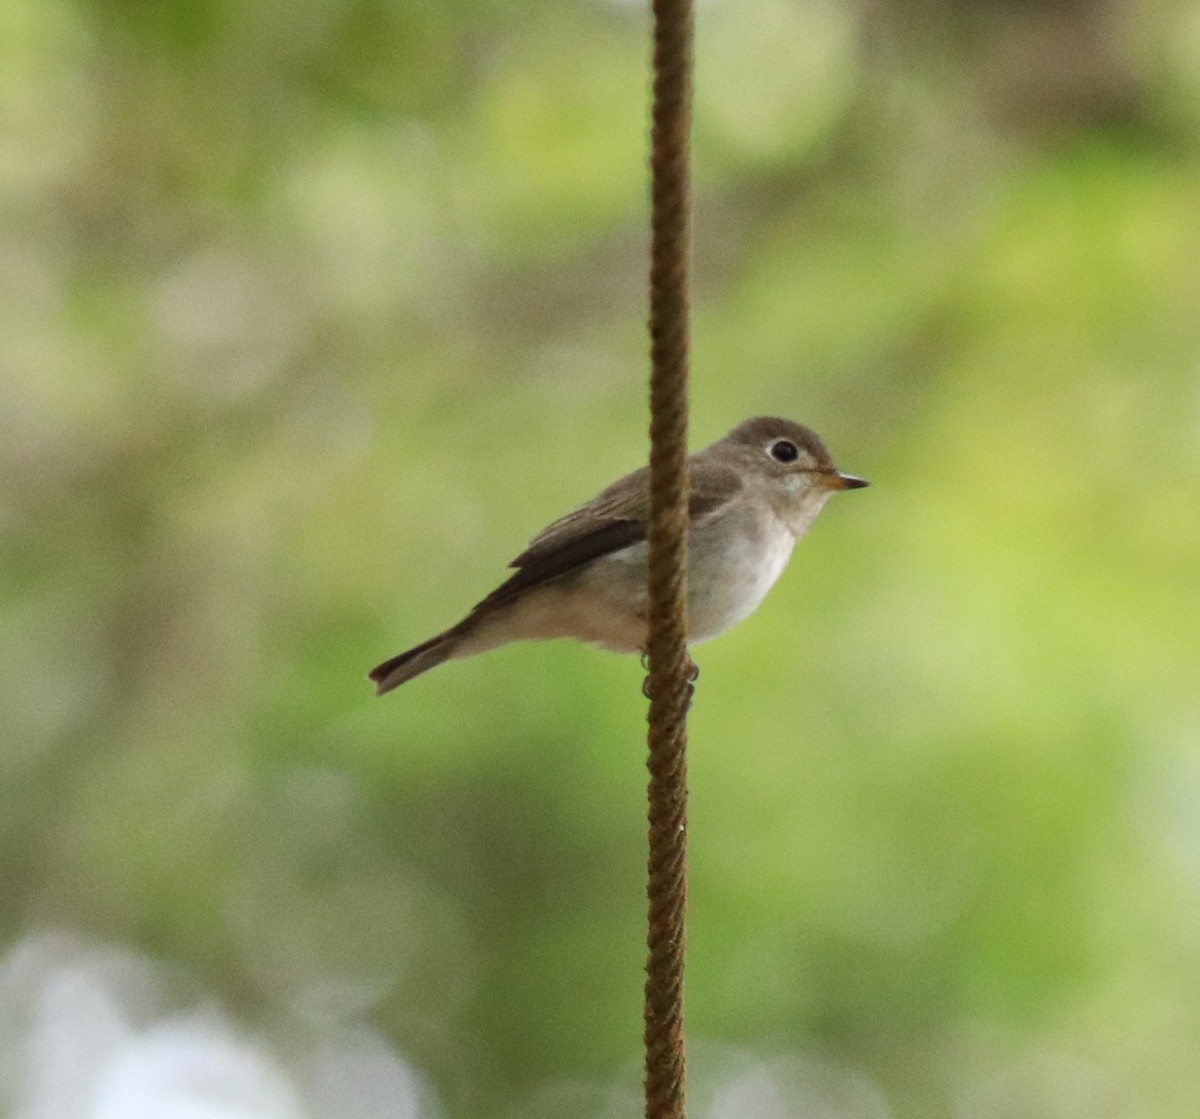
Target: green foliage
312, 315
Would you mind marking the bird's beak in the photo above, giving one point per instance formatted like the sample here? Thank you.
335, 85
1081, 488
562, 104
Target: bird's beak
847, 482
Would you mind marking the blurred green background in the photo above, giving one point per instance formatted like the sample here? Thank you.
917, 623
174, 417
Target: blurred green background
311, 314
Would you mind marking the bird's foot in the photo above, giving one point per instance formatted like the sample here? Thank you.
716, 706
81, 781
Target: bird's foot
692, 675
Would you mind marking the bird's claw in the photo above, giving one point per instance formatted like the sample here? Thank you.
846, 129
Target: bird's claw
691, 676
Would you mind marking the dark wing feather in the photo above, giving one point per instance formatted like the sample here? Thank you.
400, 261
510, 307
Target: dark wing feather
616, 519
543, 565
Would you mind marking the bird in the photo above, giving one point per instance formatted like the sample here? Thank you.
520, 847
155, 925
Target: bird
752, 496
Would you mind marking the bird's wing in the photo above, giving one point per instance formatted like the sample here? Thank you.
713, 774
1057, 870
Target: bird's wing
616, 519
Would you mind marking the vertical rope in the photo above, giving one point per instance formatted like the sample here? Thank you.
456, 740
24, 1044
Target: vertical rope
670, 670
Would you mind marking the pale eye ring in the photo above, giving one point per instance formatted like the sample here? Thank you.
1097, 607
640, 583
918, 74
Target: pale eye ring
784, 450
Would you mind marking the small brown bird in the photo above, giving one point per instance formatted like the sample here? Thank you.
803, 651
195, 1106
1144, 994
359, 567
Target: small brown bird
753, 495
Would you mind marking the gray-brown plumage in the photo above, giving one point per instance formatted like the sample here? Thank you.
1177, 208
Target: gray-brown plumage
753, 494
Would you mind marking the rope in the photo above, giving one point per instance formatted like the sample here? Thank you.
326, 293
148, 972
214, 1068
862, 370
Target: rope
670, 669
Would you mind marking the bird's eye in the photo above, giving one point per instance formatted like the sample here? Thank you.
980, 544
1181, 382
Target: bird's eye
784, 450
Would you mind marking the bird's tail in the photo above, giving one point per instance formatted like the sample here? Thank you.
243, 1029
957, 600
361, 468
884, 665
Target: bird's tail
420, 658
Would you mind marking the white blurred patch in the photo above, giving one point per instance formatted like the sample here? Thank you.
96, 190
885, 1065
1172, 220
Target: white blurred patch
359, 1077
191, 1068
797, 1088
88, 1032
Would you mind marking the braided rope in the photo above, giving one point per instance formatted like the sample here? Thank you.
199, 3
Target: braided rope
670, 669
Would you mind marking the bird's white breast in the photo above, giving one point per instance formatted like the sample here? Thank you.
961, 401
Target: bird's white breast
730, 574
